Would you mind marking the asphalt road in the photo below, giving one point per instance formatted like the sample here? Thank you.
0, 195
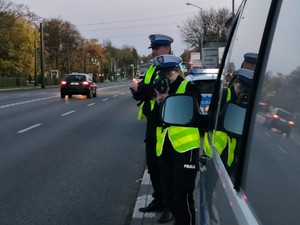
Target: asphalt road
274, 171
69, 161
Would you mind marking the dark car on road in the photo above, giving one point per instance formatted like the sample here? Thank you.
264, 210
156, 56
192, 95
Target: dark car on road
280, 119
78, 84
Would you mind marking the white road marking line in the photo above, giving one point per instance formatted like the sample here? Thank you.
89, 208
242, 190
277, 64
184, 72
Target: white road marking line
68, 113
90, 104
267, 134
29, 101
123, 93
281, 149
105, 99
112, 87
29, 128
115, 96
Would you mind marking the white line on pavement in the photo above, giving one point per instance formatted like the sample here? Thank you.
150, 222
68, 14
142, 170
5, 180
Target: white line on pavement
105, 99
68, 113
281, 149
91, 104
29, 101
29, 128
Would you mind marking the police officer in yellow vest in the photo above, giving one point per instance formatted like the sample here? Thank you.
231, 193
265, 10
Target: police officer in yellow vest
238, 91
160, 44
177, 147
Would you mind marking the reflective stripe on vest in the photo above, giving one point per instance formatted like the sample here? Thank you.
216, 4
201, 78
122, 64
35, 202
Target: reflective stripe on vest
182, 139
219, 140
140, 112
231, 147
228, 94
147, 79
206, 146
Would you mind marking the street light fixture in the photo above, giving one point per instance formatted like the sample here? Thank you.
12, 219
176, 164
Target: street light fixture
188, 3
201, 38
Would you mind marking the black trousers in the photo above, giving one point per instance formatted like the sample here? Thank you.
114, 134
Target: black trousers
152, 162
179, 171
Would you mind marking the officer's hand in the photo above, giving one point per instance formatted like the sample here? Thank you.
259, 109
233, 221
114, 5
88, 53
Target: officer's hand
160, 97
135, 95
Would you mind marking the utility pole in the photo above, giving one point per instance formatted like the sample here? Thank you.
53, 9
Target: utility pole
42, 56
35, 61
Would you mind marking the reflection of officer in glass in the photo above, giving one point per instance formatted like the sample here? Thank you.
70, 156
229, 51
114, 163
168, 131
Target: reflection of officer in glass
177, 147
250, 60
239, 86
238, 92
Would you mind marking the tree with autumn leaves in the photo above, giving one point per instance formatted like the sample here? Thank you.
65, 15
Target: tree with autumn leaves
65, 49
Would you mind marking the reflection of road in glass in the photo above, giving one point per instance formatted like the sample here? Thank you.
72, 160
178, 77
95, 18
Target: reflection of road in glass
273, 170
295, 135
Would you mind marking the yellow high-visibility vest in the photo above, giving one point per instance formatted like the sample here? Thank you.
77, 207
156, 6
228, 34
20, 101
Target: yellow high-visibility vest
220, 140
147, 79
182, 139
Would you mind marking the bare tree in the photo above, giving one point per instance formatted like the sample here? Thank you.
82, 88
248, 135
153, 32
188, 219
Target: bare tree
207, 25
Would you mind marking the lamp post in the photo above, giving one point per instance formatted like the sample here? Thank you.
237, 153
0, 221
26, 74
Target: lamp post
201, 38
232, 8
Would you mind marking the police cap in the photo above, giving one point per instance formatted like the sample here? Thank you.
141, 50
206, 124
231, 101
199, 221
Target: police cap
160, 40
166, 61
250, 57
245, 76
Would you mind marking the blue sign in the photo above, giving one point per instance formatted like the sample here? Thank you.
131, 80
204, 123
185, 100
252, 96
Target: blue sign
205, 101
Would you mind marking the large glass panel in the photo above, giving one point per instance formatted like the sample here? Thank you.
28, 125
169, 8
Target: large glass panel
272, 184
237, 84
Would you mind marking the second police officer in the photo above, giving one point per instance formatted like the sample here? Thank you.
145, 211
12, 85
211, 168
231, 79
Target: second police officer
177, 147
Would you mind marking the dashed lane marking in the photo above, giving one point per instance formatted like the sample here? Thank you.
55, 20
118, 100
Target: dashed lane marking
281, 149
91, 104
68, 113
29, 128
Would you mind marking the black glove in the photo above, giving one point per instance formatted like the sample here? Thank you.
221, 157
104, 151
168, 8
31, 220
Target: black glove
135, 95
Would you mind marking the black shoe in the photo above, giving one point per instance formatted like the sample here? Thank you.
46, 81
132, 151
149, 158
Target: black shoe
154, 206
165, 217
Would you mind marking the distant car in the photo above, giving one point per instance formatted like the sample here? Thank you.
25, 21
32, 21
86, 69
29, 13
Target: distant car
280, 119
205, 79
138, 79
78, 84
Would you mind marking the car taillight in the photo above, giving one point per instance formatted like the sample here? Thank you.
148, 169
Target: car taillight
291, 123
85, 83
63, 82
275, 116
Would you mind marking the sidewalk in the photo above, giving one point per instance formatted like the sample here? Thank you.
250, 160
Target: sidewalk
145, 197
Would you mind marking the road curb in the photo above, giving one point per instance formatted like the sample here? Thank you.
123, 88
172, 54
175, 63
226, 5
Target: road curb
144, 196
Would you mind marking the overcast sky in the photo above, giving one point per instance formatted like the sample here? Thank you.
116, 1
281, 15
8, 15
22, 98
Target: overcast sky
126, 22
